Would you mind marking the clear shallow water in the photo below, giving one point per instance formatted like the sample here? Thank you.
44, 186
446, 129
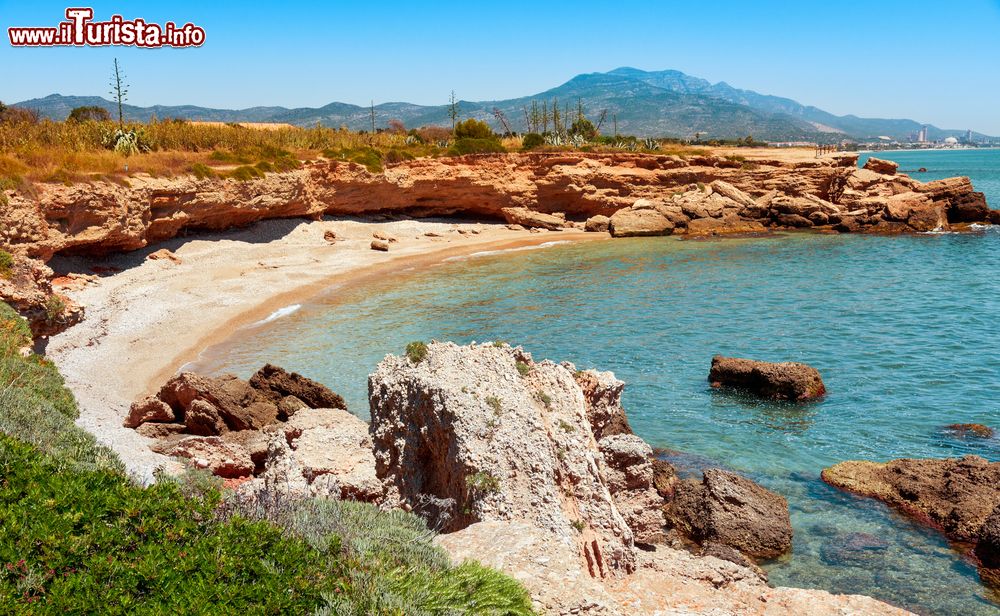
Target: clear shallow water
904, 330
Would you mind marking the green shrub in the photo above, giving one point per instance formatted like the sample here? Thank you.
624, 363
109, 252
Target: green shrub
202, 171
55, 306
483, 482
465, 146
37, 408
416, 351
369, 158
89, 113
392, 567
231, 158
494, 403
584, 128
6, 264
544, 398
395, 155
532, 140
246, 173
473, 129
85, 542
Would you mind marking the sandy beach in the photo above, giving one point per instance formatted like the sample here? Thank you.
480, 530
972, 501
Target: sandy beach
146, 318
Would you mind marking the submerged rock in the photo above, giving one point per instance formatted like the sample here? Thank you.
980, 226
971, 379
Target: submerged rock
988, 548
853, 549
961, 497
774, 381
970, 430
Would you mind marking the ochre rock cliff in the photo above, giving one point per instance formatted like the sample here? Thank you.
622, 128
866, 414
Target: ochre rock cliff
102, 217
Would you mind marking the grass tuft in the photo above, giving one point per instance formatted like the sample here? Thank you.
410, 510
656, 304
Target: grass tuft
416, 352
522, 368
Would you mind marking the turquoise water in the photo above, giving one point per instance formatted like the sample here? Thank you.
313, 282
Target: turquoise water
981, 165
903, 329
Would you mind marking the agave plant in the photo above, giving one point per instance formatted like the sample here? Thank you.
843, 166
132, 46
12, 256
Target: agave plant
651, 144
554, 140
125, 142
410, 140
578, 141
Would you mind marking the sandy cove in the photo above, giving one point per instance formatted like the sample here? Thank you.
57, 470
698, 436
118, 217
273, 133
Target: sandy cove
149, 319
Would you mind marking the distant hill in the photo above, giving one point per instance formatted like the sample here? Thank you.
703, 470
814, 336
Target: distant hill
659, 103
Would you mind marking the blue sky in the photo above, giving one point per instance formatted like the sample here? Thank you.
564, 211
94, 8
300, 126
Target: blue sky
934, 62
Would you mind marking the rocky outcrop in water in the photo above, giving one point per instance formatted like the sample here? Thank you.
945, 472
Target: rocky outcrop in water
958, 496
727, 509
773, 381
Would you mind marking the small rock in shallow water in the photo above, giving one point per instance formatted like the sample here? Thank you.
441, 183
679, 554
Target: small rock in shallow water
969, 430
853, 548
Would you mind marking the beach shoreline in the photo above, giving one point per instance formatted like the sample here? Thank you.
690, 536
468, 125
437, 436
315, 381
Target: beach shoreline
153, 316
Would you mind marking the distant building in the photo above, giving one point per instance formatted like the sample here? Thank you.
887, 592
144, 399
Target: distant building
922, 135
951, 142
968, 136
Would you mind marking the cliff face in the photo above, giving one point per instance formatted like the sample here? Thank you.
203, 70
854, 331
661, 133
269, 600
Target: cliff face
104, 217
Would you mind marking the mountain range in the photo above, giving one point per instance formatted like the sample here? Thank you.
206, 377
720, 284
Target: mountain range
643, 103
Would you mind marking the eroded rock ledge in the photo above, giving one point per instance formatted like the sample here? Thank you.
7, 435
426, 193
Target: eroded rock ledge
103, 217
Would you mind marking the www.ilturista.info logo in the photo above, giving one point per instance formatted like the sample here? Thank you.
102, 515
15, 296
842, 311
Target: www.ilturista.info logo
80, 30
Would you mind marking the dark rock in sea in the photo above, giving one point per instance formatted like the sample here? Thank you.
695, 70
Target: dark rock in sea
988, 549
955, 495
276, 383
922, 170
734, 511
853, 548
969, 430
774, 381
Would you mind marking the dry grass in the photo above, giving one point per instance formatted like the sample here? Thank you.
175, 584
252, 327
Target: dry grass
34, 151
68, 152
